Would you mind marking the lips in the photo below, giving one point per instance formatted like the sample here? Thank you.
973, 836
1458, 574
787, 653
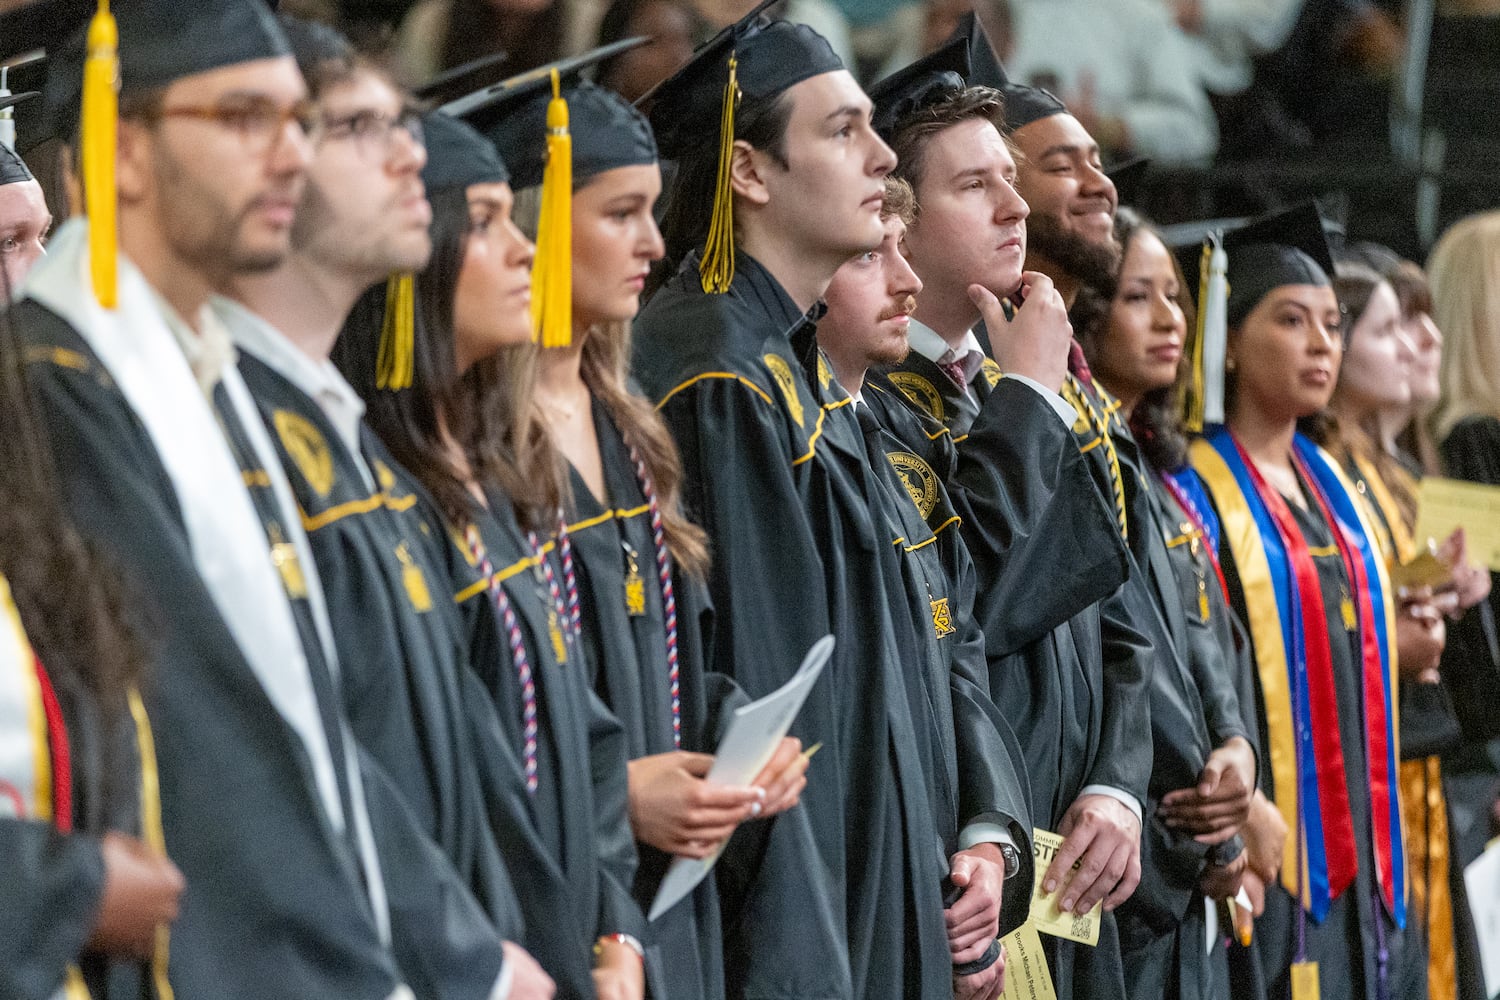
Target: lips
1166, 353
1316, 376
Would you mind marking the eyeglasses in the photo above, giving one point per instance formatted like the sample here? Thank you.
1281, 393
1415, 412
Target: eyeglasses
374, 132
260, 124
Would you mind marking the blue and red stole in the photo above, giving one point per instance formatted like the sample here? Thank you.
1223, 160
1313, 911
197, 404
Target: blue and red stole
1288, 626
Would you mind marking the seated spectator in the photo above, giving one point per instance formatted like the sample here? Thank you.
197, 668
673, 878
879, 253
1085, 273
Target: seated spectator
673, 26
438, 35
1125, 72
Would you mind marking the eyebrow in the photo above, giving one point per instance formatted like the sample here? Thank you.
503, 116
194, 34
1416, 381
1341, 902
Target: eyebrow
847, 111
487, 202
1070, 148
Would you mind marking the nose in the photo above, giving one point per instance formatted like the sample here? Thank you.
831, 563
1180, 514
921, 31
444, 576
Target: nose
1010, 207
1406, 350
904, 280
1166, 314
407, 153
291, 150
1323, 339
656, 247
1097, 183
882, 157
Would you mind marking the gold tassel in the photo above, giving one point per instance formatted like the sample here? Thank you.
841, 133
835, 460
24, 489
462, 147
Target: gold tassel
394, 362
716, 269
100, 123
552, 273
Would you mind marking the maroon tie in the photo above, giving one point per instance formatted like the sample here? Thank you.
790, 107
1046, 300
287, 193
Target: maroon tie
1079, 366
955, 372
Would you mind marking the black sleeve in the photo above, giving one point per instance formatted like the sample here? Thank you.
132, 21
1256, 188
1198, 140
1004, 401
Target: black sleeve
1030, 513
1124, 759
49, 899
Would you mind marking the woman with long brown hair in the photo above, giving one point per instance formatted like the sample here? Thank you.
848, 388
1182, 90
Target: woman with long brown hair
641, 563
466, 429
84, 887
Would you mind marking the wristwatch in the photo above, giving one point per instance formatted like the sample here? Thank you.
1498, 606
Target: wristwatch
1012, 859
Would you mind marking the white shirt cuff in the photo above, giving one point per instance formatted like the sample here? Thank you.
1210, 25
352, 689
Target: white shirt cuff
1060, 406
502, 983
985, 833
1130, 801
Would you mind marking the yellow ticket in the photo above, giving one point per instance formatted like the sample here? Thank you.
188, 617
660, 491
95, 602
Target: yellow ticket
1046, 911
1445, 504
1026, 973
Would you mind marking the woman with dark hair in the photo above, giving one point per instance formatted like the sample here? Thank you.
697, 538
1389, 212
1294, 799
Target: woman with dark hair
672, 25
468, 430
86, 892
1204, 814
439, 35
1305, 574
641, 563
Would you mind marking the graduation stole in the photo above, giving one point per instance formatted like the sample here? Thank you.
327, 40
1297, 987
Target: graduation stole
1187, 489
36, 776
1373, 597
36, 773
1288, 627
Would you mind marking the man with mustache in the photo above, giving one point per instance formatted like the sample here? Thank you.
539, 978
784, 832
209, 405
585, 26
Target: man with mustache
870, 302
1066, 669
302, 869
842, 897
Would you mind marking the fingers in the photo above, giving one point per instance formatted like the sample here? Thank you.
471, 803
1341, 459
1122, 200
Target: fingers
1104, 867
969, 947
1074, 844
696, 764
1218, 837
1126, 886
1213, 771
1206, 818
973, 909
981, 923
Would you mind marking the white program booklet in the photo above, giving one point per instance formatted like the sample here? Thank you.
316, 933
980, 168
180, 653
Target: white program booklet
1482, 880
754, 733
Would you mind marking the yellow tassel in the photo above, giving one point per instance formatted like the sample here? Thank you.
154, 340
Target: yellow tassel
100, 122
552, 273
394, 362
716, 269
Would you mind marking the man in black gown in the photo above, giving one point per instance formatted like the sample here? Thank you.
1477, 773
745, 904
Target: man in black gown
842, 897
267, 802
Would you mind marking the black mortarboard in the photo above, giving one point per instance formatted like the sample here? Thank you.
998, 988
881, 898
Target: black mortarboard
13, 169
314, 43
1286, 248
457, 155
1024, 105
770, 57
451, 83
161, 41
1127, 177
606, 131
41, 25
755, 57
930, 80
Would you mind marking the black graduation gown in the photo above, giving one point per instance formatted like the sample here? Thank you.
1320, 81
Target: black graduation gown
576, 885
627, 656
840, 897
270, 896
981, 774
1195, 708
1344, 944
1064, 659
400, 660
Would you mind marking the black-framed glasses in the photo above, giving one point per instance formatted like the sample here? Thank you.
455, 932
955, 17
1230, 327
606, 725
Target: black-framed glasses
260, 123
374, 132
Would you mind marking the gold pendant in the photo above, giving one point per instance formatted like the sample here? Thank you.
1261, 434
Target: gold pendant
559, 645
1202, 599
414, 581
942, 618
635, 587
1304, 981
1346, 609
284, 558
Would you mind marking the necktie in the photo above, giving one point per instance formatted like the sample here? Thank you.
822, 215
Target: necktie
1078, 365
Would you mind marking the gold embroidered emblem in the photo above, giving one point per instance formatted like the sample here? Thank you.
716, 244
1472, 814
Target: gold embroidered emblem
991, 372
918, 478
919, 391
307, 449
782, 373
825, 374
414, 581
942, 618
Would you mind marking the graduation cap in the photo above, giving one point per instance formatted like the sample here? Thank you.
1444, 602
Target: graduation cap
755, 57
460, 79
1235, 270
929, 81
514, 114
1127, 177
457, 155
606, 131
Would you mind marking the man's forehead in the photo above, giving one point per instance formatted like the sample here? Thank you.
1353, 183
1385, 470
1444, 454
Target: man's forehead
276, 79
972, 145
828, 95
366, 90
